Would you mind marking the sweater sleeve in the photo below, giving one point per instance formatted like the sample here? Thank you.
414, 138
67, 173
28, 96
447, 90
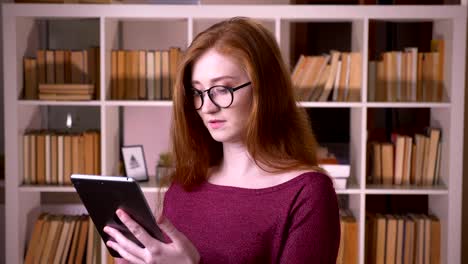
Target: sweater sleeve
314, 229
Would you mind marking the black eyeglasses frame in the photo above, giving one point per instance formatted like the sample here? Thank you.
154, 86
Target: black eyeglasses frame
230, 89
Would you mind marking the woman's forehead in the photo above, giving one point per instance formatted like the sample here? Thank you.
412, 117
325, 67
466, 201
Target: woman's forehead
215, 66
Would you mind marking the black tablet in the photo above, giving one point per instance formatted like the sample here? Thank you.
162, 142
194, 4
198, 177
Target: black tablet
103, 195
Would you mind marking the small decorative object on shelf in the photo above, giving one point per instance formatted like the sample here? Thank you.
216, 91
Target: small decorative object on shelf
134, 162
164, 168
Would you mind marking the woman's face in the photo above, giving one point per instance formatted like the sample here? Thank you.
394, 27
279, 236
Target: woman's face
212, 69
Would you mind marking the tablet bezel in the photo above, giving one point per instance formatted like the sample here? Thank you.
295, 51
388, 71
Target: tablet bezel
120, 192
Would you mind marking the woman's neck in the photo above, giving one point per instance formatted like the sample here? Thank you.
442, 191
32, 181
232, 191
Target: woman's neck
237, 167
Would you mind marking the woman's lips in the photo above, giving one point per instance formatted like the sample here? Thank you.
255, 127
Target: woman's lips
215, 124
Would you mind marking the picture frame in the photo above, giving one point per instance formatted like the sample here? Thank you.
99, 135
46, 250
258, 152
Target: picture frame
135, 162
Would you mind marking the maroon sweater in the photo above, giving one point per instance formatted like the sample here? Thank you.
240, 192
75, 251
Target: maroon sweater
293, 222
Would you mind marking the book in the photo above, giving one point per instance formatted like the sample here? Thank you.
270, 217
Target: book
355, 77
165, 76
82, 239
158, 75
26, 162
33, 243
380, 239
344, 77
434, 247
50, 66
399, 239
328, 87
40, 158
391, 239
60, 159
399, 159
122, 75
53, 235
408, 242
381, 93
62, 240
387, 163
142, 79
53, 159
77, 66
150, 75
434, 137
30, 78
438, 46
47, 157
114, 77
41, 66
65, 97
59, 56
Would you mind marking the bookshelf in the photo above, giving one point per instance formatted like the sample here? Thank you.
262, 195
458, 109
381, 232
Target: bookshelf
116, 27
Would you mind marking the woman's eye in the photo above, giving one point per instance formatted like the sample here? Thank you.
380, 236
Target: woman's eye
220, 90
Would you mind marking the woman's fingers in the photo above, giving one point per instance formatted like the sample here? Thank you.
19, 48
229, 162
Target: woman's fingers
123, 245
137, 230
123, 253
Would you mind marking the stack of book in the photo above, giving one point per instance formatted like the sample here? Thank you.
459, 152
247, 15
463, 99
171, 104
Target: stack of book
411, 238
67, 92
408, 75
330, 77
143, 74
348, 250
407, 160
50, 157
62, 75
63, 239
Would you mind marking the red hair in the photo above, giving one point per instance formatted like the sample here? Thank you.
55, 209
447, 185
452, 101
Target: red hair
279, 136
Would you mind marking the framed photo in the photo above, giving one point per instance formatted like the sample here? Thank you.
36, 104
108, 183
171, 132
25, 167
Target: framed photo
134, 162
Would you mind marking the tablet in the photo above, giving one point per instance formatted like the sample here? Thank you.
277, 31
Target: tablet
103, 195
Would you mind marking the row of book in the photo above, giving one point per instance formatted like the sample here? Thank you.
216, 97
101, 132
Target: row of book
408, 160
143, 74
62, 75
408, 75
330, 77
51, 157
411, 238
348, 250
63, 239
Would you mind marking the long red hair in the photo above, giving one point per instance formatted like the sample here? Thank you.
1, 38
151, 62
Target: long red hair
278, 137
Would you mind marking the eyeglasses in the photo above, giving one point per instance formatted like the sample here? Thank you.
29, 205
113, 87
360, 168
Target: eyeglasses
222, 96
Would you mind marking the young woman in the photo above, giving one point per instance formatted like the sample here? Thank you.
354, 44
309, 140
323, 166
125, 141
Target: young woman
246, 188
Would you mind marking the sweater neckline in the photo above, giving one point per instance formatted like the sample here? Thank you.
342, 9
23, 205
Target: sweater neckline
234, 189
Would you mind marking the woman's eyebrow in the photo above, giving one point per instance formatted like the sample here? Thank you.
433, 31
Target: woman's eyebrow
217, 79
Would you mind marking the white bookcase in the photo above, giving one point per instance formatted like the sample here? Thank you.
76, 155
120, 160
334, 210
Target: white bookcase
120, 27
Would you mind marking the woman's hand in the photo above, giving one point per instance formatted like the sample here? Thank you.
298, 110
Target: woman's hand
180, 250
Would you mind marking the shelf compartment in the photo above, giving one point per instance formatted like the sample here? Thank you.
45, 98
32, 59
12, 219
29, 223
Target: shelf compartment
132, 46
58, 51
420, 74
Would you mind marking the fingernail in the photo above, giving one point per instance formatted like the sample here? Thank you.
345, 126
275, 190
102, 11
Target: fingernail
120, 213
